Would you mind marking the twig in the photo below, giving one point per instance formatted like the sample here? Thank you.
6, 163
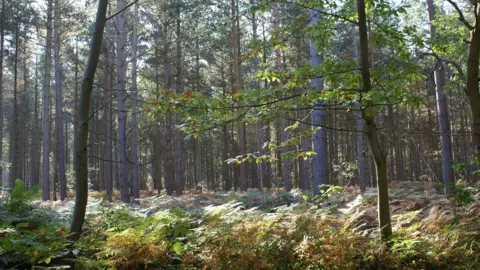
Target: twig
460, 15
120, 11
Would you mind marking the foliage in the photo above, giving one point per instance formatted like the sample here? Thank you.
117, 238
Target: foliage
255, 230
462, 196
19, 197
327, 192
133, 241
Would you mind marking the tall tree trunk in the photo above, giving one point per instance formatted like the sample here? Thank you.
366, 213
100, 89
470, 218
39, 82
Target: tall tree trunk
259, 143
360, 143
81, 153
46, 107
108, 115
372, 131
121, 96
157, 149
227, 183
198, 146
135, 176
2, 43
237, 86
178, 133
58, 108
361, 157
15, 132
75, 98
169, 164
283, 123
24, 115
34, 141
92, 141
319, 118
472, 89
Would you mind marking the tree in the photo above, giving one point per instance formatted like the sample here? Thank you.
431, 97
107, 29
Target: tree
319, 118
135, 176
472, 88
283, 123
59, 108
46, 106
121, 97
2, 46
237, 86
442, 110
360, 124
379, 154
81, 152
14, 138
179, 88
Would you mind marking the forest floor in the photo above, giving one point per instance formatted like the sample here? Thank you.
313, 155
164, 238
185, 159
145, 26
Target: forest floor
253, 230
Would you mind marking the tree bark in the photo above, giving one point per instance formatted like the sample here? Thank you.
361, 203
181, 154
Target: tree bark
34, 152
169, 164
200, 169
135, 176
442, 109
108, 115
361, 157
2, 44
46, 107
75, 98
283, 123
319, 118
360, 124
179, 89
81, 153
472, 85
237, 86
58, 108
372, 131
15, 133
121, 96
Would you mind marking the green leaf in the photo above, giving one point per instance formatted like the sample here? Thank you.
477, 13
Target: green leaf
177, 247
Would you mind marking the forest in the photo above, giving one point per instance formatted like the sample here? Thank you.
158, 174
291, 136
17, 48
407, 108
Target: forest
239, 134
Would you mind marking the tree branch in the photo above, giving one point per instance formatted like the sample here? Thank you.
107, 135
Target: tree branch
460, 15
120, 11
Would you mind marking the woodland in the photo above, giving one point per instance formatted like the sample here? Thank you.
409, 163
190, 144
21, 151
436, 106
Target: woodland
239, 134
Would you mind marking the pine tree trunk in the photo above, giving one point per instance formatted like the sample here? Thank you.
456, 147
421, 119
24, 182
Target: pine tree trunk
177, 133
46, 107
360, 142
121, 97
2, 44
361, 157
237, 86
135, 176
283, 123
34, 152
24, 115
58, 109
108, 122
319, 119
15, 133
75, 98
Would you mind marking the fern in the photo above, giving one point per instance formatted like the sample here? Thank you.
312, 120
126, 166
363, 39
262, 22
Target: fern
18, 202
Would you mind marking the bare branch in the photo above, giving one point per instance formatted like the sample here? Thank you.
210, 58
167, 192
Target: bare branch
122, 10
460, 15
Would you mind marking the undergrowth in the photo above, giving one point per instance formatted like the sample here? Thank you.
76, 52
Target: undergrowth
273, 230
